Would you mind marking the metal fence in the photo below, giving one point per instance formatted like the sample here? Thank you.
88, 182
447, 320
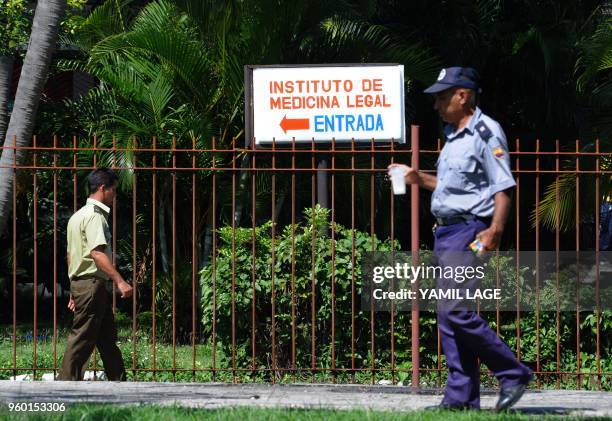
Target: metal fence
194, 191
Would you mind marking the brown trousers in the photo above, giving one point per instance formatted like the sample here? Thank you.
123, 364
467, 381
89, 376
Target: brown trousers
93, 326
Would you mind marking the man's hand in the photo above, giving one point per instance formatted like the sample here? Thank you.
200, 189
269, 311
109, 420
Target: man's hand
413, 176
490, 238
125, 289
410, 174
71, 305
105, 265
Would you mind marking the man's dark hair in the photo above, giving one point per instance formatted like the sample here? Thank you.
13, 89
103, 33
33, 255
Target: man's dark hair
101, 177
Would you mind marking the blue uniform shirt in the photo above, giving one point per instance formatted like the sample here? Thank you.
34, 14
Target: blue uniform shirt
474, 164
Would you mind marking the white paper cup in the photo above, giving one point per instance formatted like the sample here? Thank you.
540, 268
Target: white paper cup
397, 180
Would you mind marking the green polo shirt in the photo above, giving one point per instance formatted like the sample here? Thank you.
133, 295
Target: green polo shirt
88, 229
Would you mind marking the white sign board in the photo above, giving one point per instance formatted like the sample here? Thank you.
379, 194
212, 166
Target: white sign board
341, 102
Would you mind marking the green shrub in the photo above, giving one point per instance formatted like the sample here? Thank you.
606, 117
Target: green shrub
244, 264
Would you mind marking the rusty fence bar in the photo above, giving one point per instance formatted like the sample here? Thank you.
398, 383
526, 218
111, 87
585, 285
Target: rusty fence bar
414, 248
193, 225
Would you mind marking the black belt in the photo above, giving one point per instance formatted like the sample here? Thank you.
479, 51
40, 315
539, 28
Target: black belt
80, 278
458, 219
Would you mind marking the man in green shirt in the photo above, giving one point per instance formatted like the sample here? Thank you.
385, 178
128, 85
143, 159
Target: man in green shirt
89, 268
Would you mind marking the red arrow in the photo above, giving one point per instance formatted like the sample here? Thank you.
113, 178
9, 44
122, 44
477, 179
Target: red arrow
294, 124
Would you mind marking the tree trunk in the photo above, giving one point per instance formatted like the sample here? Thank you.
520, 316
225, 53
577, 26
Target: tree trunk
241, 192
34, 72
322, 190
6, 76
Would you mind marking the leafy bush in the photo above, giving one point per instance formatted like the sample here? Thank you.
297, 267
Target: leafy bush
311, 238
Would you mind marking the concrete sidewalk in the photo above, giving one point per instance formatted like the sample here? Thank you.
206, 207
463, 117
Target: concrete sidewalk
216, 395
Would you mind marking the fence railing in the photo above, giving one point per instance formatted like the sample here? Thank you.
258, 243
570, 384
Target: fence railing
240, 276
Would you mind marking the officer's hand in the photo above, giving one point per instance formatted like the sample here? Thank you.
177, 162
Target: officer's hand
490, 238
125, 289
71, 305
410, 174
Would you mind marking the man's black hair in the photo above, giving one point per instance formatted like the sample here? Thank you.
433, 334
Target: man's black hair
101, 177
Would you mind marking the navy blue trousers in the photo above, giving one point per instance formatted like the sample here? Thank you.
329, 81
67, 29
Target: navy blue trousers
466, 336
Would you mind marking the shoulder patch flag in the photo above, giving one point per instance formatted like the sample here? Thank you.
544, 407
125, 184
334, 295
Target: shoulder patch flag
498, 152
483, 130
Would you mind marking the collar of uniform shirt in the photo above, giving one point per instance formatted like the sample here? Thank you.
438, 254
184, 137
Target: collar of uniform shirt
449, 130
101, 205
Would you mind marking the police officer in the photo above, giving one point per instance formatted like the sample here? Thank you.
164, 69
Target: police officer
470, 201
89, 268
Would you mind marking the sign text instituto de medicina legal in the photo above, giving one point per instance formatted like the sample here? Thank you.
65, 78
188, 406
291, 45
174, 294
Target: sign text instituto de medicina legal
342, 102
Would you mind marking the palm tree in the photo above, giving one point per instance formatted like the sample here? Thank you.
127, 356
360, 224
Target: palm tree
6, 76
14, 25
45, 28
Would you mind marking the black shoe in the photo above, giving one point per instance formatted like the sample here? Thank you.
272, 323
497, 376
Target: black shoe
448, 407
510, 396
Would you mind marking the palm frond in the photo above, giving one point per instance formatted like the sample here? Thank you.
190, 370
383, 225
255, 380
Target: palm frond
211, 17
596, 54
419, 62
559, 201
184, 56
105, 20
558, 204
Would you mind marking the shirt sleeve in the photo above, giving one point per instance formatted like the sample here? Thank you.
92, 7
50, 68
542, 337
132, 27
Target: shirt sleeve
496, 163
94, 232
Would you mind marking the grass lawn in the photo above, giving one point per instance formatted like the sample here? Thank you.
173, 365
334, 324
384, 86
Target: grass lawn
153, 413
165, 357
182, 359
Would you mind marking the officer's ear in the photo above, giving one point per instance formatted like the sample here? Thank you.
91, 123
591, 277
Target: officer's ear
463, 96
467, 97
